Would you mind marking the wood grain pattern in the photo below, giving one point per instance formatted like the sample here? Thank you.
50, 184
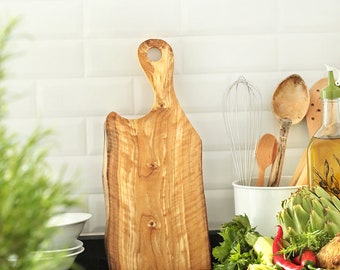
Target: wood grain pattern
152, 176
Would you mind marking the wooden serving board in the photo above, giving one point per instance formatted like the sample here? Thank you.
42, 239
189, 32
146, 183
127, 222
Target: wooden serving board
152, 176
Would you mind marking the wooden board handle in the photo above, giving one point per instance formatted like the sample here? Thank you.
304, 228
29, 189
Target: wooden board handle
160, 72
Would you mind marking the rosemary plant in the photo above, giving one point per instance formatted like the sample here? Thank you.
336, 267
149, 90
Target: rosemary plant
29, 196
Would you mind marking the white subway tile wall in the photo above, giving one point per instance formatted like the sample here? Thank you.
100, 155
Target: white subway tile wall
76, 61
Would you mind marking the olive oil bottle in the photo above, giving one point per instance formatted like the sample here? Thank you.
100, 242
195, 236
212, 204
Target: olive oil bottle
323, 155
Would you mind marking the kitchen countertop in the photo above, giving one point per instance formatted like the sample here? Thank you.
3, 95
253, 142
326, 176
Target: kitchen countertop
94, 256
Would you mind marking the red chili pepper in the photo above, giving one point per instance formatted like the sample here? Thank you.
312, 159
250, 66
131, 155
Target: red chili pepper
297, 259
308, 258
278, 258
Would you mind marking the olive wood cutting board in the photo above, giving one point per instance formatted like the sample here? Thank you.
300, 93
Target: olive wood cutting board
152, 177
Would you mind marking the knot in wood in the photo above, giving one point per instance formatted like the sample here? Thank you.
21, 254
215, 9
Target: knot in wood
152, 223
161, 105
153, 165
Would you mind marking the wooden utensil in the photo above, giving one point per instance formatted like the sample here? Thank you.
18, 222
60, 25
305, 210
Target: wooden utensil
314, 114
290, 104
266, 151
152, 176
314, 121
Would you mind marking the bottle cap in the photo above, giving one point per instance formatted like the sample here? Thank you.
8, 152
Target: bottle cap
332, 91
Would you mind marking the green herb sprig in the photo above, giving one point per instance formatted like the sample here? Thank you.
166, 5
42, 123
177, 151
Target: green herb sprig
236, 251
313, 241
29, 194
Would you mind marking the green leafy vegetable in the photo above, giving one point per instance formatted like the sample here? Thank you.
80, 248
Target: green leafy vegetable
236, 251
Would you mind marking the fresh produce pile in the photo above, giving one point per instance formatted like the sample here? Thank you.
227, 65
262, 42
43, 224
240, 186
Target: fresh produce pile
239, 248
308, 236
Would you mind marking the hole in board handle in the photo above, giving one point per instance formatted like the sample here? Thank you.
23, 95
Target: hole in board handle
154, 54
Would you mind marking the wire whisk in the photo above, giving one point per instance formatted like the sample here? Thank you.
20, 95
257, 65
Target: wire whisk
242, 112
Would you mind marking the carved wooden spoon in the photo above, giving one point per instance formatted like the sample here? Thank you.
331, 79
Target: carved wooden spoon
314, 113
314, 121
266, 151
290, 103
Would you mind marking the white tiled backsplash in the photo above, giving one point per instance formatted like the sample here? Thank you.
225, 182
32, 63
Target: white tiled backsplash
76, 61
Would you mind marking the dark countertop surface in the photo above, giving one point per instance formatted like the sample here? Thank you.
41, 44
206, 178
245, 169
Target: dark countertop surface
94, 255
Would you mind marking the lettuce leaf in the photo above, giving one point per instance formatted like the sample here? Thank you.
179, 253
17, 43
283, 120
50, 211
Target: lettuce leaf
236, 251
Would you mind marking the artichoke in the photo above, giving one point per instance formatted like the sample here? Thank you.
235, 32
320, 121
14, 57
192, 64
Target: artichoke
308, 210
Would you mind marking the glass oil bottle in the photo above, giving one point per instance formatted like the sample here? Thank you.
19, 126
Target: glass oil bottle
323, 154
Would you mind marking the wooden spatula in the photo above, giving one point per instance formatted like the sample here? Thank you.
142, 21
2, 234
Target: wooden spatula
152, 176
314, 121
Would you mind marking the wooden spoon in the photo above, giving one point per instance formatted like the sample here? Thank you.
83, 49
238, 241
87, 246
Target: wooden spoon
314, 113
290, 103
266, 151
314, 121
